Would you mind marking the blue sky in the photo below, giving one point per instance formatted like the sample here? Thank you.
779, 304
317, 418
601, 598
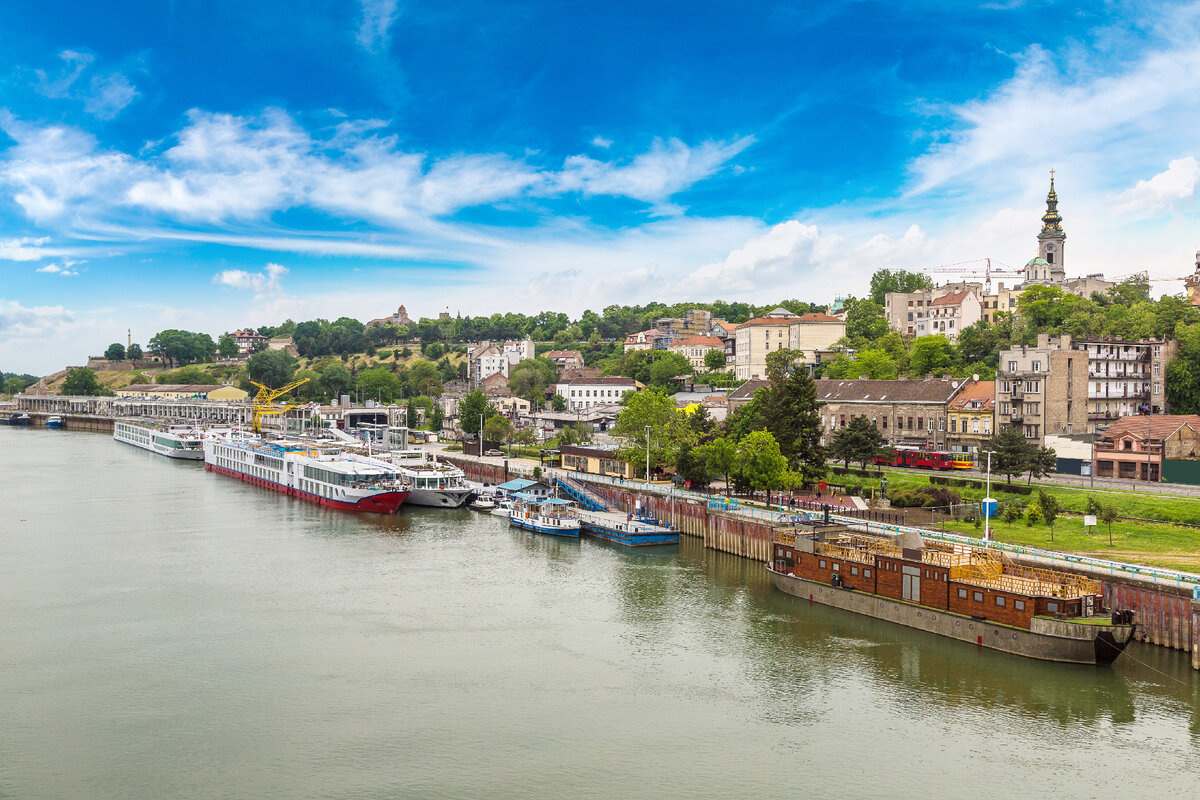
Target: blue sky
219, 164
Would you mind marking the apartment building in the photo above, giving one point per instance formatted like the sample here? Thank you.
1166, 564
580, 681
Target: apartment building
1126, 377
695, 348
757, 338
972, 416
906, 412
1044, 389
582, 394
814, 334
950, 313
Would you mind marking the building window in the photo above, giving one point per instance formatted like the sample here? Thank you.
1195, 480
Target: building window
962, 593
1000, 601
1012, 366
1052, 608
866, 573
954, 424
1036, 366
822, 563
837, 567
978, 597
1019, 605
854, 570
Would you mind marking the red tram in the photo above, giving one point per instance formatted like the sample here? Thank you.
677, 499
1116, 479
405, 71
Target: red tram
926, 459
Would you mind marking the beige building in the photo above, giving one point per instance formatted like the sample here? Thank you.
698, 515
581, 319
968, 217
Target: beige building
181, 391
1044, 389
815, 334
908, 412
1003, 300
950, 313
759, 337
972, 416
695, 348
1126, 377
643, 340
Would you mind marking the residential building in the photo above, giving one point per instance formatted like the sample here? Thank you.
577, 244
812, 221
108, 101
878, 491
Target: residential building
906, 412
495, 385
643, 340
814, 334
757, 338
565, 359
1043, 390
972, 415
950, 313
180, 391
721, 329
745, 393
1151, 448
1087, 285
483, 360
695, 348
1003, 300
286, 343
517, 351
1126, 377
584, 393
248, 341
694, 322
905, 310
594, 460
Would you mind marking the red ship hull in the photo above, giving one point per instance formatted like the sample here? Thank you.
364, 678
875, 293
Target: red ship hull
382, 503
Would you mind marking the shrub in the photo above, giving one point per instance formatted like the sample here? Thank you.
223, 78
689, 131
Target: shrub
537, 473
1033, 516
1011, 512
923, 497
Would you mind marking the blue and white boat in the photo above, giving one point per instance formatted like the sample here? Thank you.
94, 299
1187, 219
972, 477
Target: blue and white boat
544, 515
54, 421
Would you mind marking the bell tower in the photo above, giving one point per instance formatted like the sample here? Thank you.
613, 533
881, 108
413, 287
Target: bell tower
1051, 241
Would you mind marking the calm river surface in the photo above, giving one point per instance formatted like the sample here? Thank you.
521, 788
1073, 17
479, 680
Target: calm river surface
170, 633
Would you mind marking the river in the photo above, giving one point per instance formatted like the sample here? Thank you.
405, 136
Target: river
170, 633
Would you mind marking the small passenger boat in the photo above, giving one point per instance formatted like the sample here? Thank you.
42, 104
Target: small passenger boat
544, 515
54, 421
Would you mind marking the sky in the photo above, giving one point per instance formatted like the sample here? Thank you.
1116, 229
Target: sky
213, 165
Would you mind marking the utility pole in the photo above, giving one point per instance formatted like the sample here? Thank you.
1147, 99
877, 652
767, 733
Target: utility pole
647, 458
987, 501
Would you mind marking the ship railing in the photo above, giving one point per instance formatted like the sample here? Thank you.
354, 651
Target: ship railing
845, 553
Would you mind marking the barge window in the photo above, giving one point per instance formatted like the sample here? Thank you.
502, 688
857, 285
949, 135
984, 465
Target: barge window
837, 567
866, 573
822, 563
1052, 607
979, 597
854, 570
962, 593
1019, 605
999, 601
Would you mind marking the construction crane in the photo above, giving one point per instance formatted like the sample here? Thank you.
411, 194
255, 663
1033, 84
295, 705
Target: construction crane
969, 269
264, 402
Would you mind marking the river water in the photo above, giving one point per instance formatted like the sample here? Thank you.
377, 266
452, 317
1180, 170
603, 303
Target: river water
170, 633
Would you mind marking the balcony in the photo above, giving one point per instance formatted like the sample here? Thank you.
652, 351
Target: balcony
1018, 391
1017, 416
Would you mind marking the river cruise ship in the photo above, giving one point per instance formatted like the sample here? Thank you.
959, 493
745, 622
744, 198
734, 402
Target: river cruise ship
544, 515
173, 440
432, 483
317, 472
972, 594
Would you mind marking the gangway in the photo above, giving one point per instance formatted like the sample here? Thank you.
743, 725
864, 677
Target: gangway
584, 496
338, 433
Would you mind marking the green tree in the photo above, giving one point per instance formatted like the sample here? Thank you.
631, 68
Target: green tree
865, 322
134, 352
714, 360
497, 429
14, 386
529, 377
1042, 461
80, 382
1108, 515
183, 347
859, 441
335, 380
227, 347
1011, 452
433, 351
931, 354
558, 402
692, 467
1049, 507
115, 352
875, 364
667, 367
474, 406
669, 431
886, 280
761, 463
720, 456
789, 410
378, 384
579, 433
272, 367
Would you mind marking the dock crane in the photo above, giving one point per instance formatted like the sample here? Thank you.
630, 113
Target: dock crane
969, 269
264, 402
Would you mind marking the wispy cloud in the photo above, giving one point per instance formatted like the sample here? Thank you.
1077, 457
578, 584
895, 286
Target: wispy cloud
65, 269
26, 248
1166, 191
375, 30
601, 142
104, 96
263, 284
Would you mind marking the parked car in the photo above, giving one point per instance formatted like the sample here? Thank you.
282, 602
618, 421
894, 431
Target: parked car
493, 452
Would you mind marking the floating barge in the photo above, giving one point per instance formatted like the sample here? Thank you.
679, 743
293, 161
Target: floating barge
625, 529
962, 592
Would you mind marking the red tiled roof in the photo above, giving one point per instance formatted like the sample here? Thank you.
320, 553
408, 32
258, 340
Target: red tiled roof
818, 316
769, 321
553, 354
1161, 426
952, 299
700, 341
984, 391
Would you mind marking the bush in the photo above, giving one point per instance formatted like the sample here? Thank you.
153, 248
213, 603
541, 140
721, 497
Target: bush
537, 473
1033, 516
944, 481
923, 497
1011, 512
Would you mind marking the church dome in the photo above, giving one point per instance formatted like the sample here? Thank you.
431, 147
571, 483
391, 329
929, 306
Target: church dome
1037, 262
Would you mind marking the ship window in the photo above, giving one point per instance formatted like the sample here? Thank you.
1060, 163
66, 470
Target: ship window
854, 570
962, 593
1000, 601
1019, 605
837, 567
979, 597
1052, 607
866, 573
822, 563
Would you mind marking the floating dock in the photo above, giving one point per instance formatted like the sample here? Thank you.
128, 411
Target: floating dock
625, 529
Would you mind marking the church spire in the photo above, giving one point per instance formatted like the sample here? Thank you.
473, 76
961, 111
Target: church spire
1051, 221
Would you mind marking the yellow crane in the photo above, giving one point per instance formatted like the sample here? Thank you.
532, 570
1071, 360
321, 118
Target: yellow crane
264, 402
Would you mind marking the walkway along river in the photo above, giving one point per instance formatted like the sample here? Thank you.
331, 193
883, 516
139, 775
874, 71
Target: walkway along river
170, 633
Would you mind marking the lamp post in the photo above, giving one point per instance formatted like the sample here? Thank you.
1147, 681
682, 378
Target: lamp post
988, 501
647, 458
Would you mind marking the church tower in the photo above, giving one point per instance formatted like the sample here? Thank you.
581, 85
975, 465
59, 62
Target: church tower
1048, 266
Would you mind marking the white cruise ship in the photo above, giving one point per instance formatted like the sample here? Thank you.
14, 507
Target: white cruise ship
179, 440
317, 472
433, 484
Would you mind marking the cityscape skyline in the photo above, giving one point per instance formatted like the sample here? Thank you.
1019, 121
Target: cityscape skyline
213, 168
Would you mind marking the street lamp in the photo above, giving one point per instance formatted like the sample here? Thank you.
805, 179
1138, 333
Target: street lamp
647, 458
988, 502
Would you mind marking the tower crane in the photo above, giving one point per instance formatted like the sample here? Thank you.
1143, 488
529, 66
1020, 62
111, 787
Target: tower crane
264, 402
970, 269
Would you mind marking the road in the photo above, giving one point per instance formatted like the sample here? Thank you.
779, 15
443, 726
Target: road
1077, 481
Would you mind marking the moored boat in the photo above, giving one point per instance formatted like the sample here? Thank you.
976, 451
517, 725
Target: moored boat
173, 440
544, 515
20, 418
316, 472
432, 483
959, 591
54, 421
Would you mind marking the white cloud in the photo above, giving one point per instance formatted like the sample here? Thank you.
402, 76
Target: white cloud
374, 33
601, 142
65, 270
26, 248
109, 94
263, 284
1164, 192
105, 95
776, 258
31, 322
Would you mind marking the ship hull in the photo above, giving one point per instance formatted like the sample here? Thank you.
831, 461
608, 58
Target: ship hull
438, 498
382, 503
1097, 644
546, 528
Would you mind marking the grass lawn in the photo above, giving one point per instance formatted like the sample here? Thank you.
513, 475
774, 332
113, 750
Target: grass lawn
1152, 544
